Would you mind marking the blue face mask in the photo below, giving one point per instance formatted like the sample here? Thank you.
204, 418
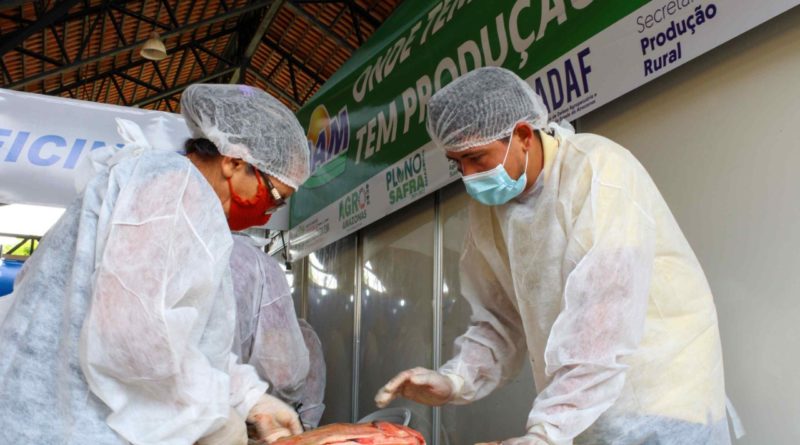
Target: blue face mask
495, 187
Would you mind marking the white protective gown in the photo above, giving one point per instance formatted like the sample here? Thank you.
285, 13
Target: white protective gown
268, 335
313, 394
590, 272
284, 350
123, 322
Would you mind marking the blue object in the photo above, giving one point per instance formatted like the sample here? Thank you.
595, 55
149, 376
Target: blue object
8, 271
495, 187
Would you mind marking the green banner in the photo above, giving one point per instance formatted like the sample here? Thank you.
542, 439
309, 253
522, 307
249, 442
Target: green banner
371, 113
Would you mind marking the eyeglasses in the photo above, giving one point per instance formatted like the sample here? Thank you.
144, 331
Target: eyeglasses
276, 195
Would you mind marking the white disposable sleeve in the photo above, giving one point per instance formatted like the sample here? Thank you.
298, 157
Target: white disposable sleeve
279, 353
147, 349
492, 349
246, 386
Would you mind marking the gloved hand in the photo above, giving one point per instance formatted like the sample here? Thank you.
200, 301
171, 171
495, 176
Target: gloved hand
234, 432
272, 419
420, 385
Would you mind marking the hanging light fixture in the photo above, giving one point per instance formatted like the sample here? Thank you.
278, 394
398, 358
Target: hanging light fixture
153, 48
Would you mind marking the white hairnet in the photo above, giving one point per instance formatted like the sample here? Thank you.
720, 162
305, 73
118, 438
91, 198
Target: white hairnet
481, 107
246, 123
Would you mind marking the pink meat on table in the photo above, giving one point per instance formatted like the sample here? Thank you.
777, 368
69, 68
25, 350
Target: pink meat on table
376, 433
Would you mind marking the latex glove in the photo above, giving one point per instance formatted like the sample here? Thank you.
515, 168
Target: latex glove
420, 385
272, 419
234, 432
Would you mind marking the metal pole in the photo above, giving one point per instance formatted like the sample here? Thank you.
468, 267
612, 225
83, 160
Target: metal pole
357, 279
270, 15
180, 88
438, 281
304, 288
278, 90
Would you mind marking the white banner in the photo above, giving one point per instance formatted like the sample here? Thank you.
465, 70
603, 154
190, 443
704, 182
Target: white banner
43, 138
652, 41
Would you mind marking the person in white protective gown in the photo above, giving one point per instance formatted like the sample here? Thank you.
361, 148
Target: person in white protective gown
124, 318
573, 257
284, 350
311, 404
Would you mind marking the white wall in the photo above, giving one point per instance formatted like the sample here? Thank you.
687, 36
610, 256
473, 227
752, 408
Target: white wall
721, 138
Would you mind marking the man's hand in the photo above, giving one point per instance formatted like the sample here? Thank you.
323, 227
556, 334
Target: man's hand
418, 384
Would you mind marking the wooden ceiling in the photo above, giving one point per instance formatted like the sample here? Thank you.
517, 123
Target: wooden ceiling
89, 49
